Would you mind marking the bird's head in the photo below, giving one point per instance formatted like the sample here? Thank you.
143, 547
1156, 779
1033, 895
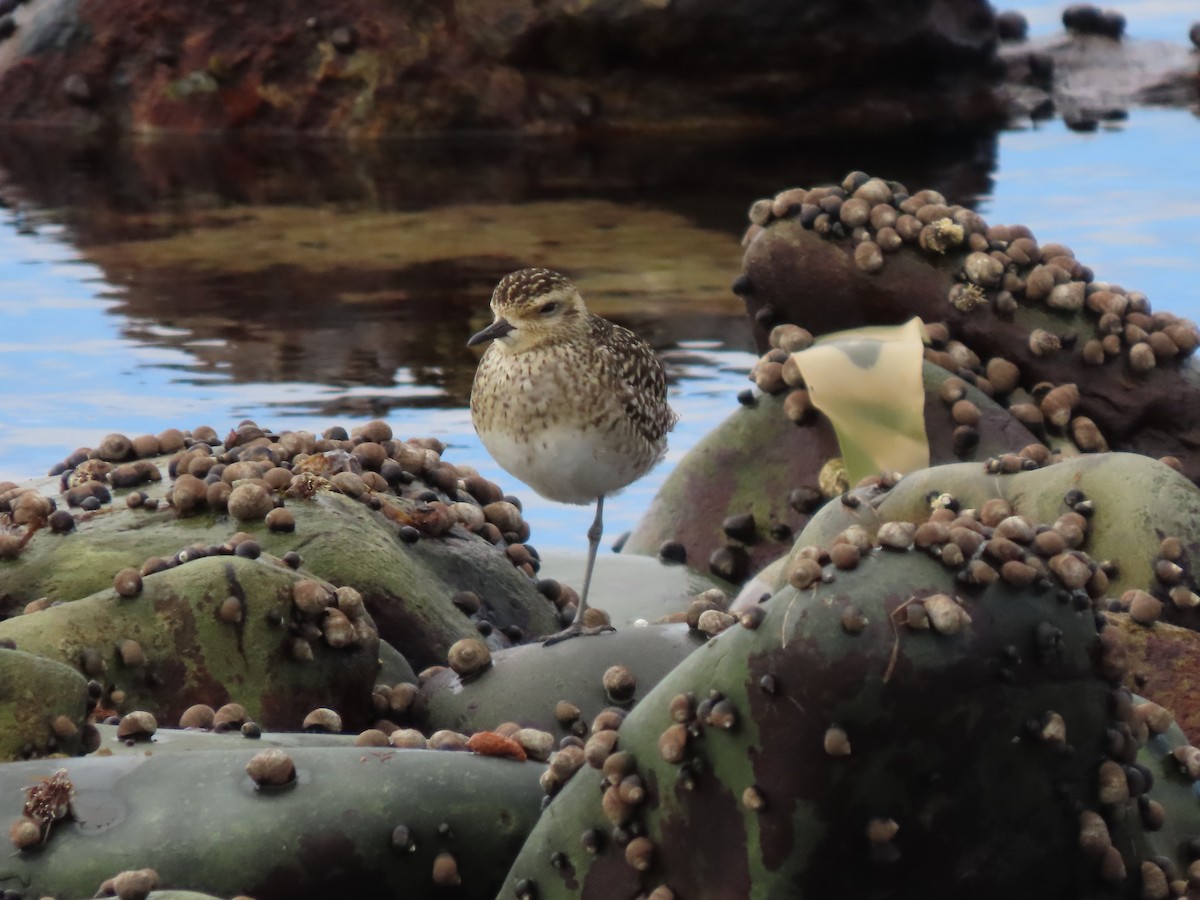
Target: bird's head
532, 307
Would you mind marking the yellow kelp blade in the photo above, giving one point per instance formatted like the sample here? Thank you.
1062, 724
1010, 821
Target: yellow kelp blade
868, 384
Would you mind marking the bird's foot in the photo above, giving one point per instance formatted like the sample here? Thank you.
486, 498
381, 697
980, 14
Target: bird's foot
575, 629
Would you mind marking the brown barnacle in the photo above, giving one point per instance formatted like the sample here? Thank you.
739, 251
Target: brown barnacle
469, 656
1043, 343
445, 870
25, 833
616, 810
271, 768
940, 235
1154, 882
896, 535
1113, 785
1112, 865
837, 742
1141, 357
881, 831
639, 853
853, 620
804, 573
1056, 406
599, 747
1144, 608
1053, 729
752, 617
753, 798
1094, 838
1168, 572
1154, 816
1188, 758
683, 708
945, 614
631, 790
723, 715
966, 297
1183, 597
1157, 718
137, 726
713, 621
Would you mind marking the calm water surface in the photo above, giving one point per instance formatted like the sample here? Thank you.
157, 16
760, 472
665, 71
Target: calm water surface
180, 284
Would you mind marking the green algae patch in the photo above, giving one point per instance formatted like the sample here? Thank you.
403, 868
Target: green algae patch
188, 654
43, 705
407, 586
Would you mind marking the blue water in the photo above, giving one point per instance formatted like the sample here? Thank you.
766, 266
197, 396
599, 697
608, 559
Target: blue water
1126, 199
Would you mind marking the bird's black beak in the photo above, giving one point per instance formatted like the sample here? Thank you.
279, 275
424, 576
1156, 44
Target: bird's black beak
497, 329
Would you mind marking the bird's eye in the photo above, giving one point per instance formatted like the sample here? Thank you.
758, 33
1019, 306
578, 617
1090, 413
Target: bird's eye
548, 308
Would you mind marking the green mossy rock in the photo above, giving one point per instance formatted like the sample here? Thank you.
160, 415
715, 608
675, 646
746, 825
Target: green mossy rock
941, 732
199, 821
192, 656
1136, 503
43, 705
753, 461
524, 684
189, 740
407, 586
630, 587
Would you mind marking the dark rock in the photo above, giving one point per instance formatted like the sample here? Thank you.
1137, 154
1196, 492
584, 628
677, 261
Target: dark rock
344, 39
552, 66
1011, 26
76, 89
1083, 18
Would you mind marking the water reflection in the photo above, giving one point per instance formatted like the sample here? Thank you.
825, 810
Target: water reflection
322, 263
182, 282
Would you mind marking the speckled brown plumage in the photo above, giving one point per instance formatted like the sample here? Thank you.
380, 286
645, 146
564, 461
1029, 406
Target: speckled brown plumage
573, 405
568, 402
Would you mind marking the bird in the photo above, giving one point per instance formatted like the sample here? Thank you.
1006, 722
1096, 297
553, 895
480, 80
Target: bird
568, 402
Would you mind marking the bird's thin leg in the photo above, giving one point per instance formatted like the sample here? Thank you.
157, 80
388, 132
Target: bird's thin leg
577, 627
594, 534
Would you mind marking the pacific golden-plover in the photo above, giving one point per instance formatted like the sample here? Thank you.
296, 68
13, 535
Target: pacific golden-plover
568, 402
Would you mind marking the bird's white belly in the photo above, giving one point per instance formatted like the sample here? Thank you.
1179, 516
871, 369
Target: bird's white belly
566, 464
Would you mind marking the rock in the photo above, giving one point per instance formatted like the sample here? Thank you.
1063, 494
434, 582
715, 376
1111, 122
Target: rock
778, 688
188, 655
511, 66
790, 269
526, 684
758, 457
43, 706
343, 804
406, 588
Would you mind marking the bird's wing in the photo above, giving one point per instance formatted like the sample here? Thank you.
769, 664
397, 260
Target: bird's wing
641, 381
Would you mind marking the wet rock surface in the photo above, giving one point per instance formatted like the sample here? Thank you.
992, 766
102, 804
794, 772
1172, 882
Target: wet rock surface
997, 298
336, 828
43, 705
399, 545
818, 742
1093, 73
939, 692
527, 684
773, 469
370, 69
